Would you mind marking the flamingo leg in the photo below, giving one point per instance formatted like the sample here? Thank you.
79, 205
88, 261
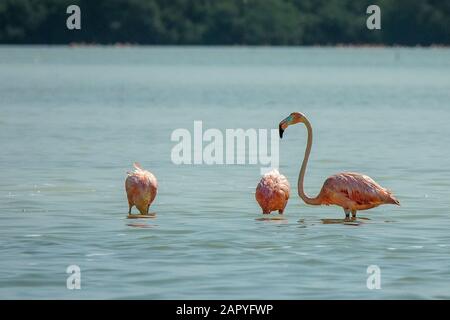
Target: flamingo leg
353, 214
129, 208
347, 213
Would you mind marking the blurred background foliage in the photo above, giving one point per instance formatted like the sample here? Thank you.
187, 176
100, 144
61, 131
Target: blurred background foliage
226, 22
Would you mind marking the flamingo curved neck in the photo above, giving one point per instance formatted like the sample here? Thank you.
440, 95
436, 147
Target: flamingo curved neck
301, 177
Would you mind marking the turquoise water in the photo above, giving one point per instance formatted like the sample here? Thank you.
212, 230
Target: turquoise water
73, 120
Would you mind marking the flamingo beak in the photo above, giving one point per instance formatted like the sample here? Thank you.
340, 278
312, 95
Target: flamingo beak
280, 131
283, 125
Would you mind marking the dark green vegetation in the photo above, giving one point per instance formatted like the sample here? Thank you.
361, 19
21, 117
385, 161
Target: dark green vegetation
226, 22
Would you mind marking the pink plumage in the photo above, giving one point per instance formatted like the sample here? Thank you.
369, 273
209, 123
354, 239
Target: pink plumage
272, 192
141, 187
351, 191
354, 191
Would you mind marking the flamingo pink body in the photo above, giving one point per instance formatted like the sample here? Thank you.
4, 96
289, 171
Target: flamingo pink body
354, 191
141, 187
272, 192
351, 191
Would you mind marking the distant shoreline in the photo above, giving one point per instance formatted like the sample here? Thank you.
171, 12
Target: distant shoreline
131, 45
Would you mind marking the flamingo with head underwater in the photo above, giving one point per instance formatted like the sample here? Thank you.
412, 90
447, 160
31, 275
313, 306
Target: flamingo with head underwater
141, 187
272, 192
349, 190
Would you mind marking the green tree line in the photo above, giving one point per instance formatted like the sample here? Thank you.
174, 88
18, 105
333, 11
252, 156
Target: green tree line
226, 22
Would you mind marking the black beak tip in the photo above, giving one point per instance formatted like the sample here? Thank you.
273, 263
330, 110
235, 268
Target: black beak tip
280, 130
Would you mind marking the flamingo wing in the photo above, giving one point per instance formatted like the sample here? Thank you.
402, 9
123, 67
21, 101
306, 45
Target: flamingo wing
359, 190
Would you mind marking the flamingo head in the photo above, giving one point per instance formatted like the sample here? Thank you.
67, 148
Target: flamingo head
293, 118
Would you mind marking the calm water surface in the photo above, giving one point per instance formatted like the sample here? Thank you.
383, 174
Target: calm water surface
73, 120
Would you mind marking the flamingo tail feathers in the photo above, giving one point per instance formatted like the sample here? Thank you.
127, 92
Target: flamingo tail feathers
138, 166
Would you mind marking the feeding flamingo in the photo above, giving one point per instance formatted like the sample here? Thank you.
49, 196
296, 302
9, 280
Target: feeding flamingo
272, 192
141, 187
351, 191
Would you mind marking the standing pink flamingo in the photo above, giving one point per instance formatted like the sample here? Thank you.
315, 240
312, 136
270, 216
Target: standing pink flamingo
141, 187
351, 191
272, 192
